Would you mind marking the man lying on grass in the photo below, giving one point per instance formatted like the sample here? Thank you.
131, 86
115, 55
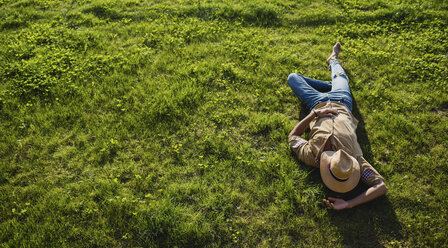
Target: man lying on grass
332, 144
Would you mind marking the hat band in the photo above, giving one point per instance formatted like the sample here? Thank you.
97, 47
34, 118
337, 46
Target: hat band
334, 176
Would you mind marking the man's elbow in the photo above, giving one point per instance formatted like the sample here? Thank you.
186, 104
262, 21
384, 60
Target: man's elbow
382, 188
293, 132
290, 134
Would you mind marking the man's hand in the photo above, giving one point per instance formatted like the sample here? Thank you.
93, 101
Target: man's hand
300, 128
336, 203
326, 112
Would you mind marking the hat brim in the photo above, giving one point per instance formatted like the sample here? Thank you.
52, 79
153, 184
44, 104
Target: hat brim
331, 182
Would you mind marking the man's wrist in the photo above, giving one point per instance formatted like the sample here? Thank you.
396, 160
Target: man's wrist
349, 204
315, 113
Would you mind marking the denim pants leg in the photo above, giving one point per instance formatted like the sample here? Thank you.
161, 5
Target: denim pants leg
308, 90
311, 92
340, 90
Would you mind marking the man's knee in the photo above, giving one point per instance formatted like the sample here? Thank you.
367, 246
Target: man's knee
293, 77
341, 74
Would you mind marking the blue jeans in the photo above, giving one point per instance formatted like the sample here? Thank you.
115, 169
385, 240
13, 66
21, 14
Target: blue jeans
311, 92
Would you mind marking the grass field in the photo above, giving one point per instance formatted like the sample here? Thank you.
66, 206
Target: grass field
164, 123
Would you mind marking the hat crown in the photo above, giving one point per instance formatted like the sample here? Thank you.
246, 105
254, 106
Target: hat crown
341, 165
339, 171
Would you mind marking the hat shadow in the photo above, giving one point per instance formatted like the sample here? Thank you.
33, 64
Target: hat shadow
367, 225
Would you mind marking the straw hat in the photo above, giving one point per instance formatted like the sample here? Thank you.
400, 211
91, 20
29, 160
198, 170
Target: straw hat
339, 171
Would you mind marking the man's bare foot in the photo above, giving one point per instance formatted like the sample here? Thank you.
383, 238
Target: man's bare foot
336, 50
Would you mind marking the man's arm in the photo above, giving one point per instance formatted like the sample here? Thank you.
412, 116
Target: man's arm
300, 128
371, 193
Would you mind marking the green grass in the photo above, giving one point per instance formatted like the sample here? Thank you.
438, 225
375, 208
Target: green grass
164, 123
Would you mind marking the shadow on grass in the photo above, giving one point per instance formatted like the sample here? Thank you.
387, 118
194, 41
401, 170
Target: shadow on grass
369, 225
373, 224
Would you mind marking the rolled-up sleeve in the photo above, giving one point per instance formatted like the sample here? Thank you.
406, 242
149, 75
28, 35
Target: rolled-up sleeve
302, 149
369, 175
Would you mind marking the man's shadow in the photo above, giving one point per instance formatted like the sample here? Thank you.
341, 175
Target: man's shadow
363, 225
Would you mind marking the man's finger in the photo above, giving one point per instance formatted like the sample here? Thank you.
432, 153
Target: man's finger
333, 111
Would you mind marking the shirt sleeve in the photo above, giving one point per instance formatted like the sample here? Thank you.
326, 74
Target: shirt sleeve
302, 149
369, 175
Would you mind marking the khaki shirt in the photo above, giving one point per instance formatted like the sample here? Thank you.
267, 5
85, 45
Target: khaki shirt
340, 132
